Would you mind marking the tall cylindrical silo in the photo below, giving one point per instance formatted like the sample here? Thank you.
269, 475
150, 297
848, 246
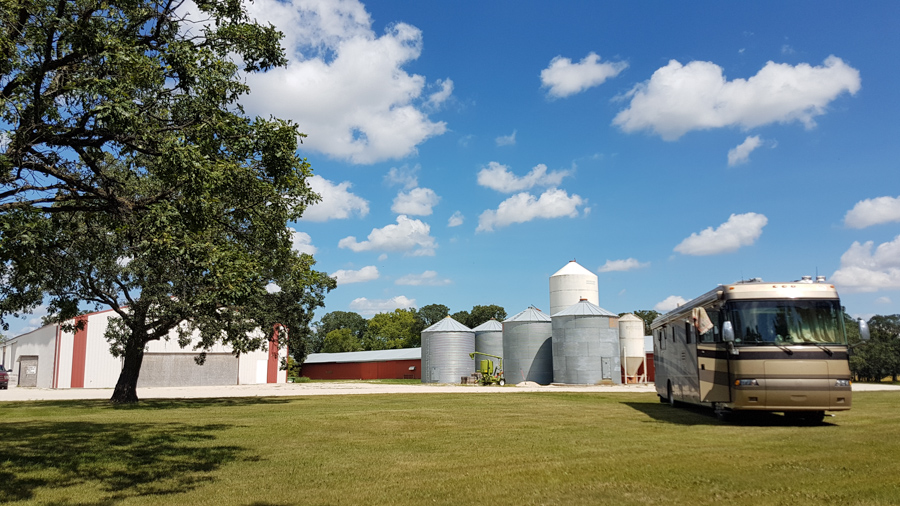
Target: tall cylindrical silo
488, 340
571, 284
631, 334
586, 345
526, 347
445, 352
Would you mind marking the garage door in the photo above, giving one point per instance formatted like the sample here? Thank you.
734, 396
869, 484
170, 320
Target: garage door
180, 370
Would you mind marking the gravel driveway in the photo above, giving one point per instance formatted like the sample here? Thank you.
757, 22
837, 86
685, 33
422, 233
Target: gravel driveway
328, 388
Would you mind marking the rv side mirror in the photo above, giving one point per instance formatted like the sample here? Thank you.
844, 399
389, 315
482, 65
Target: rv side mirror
863, 330
727, 332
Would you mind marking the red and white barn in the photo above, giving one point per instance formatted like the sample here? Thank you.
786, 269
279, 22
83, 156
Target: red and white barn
52, 358
405, 363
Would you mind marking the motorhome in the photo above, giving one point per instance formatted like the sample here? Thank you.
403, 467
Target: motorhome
756, 346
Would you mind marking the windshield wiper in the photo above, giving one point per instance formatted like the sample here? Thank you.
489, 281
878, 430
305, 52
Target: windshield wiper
817, 345
783, 348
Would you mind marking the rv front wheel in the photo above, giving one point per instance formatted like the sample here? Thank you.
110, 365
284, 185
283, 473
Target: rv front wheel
670, 396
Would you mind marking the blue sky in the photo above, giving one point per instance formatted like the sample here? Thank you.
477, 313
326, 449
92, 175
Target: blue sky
467, 150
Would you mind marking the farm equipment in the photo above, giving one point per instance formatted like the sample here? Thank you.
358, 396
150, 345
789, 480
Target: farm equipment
487, 373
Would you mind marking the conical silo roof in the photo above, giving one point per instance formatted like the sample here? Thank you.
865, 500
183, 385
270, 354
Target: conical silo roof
532, 314
573, 268
629, 318
448, 325
585, 308
491, 325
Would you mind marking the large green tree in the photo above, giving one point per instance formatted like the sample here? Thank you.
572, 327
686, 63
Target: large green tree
430, 314
337, 320
341, 340
481, 314
131, 179
396, 329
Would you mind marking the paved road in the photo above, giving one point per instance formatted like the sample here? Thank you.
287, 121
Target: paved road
329, 388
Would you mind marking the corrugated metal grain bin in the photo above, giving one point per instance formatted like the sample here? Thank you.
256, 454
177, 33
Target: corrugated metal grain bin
488, 339
526, 347
445, 352
586, 345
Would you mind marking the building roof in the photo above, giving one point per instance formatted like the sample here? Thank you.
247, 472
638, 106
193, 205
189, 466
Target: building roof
573, 268
365, 356
491, 325
585, 308
629, 318
532, 314
448, 325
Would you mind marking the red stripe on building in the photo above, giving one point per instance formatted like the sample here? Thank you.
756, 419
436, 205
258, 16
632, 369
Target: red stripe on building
79, 353
272, 372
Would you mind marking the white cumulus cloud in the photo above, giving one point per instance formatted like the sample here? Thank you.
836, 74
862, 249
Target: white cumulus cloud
345, 84
523, 207
498, 177
417, 202
427, 278
337, 202
741, 154
873, 212
404, 176
368, 307
565, 78
345, 276
456, 220
680, 98
864, 270
669, 303
506, 140
302, 242
739, 230
629, 264
409, 235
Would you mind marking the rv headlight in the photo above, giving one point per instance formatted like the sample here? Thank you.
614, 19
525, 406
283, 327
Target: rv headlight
842, 383
746, 383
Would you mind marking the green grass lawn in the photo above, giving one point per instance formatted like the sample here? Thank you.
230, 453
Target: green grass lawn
491, 449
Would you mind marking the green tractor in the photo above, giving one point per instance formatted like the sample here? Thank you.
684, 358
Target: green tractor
487, 374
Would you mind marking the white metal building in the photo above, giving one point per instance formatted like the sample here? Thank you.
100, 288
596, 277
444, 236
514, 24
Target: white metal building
52, 358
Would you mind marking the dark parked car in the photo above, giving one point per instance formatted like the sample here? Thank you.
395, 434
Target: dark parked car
4, 378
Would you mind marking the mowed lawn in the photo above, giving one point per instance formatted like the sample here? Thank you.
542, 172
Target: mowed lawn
473, 448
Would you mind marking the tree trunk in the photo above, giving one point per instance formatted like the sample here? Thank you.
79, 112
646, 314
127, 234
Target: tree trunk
126, 388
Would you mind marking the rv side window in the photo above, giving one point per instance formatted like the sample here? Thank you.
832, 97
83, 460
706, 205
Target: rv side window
711, 335
687, 332
662, 339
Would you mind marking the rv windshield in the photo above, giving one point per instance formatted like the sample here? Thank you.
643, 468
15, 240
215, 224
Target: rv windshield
786, 322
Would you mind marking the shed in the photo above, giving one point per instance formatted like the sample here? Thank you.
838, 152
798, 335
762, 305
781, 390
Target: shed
50, 357
404, 363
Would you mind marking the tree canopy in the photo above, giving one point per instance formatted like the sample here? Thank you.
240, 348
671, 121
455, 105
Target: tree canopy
479, 315
880, 356
396, 329
341, 340
131, 179
431, 314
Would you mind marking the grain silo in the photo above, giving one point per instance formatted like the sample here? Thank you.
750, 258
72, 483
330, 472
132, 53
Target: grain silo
526, 347
631, 335
445, 352
586, 345
571, 284
489, 340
